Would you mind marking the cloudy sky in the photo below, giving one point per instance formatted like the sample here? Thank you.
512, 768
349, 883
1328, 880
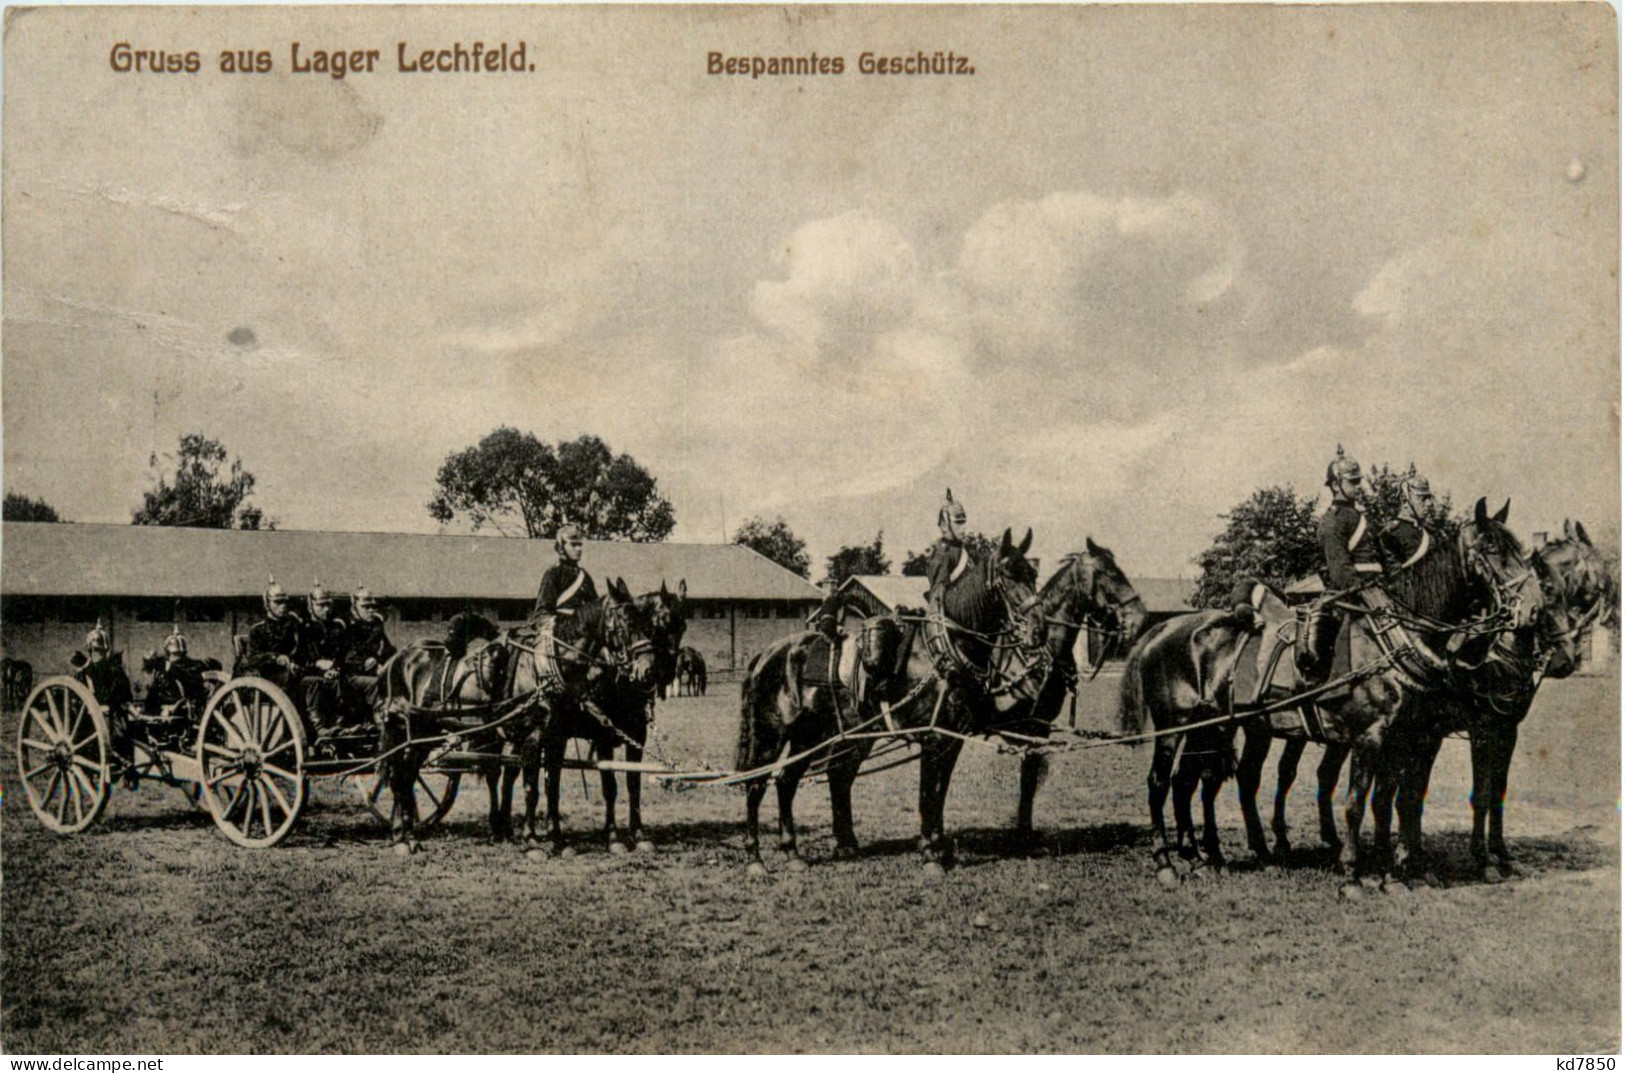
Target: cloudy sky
1144, 261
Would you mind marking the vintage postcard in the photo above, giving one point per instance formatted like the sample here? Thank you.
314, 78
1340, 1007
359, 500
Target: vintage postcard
466, 467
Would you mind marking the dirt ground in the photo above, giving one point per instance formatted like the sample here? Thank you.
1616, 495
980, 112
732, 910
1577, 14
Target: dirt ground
151, 933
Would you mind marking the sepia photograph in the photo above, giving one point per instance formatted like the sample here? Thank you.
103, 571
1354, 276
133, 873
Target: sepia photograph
860, 529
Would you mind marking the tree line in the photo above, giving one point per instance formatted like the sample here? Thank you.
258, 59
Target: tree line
519, 485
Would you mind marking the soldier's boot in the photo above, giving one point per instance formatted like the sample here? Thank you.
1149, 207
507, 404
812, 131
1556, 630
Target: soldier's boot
1314, 655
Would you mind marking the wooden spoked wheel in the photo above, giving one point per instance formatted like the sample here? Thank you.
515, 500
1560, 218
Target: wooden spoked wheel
251, 752
436, 793
63, 755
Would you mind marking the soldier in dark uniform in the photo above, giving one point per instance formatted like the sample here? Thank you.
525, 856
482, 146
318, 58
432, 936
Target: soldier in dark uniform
950, 558
178, 680
369, 648
566, 587
1349, 550
103, 674
827, 618
1405, 541
275, 643
324, 642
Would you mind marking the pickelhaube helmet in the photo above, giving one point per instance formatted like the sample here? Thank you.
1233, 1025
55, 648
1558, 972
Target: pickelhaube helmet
567, 532
952, 512
362, 603
175, 643
1342, 468
274, 594
96, 639
1418, 486
319, 594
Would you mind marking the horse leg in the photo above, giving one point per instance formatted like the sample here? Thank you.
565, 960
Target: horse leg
1390, 771
1413, 788
1362, 770
788, 781
604, 749
938, 755
1184, 789
1212, 783
1507, 742
634, 804
1032, 771
1331, 766
1255, 750
530, 767
1156, 784
754, 792
553, 764
1286, 773
401, 772
842, 774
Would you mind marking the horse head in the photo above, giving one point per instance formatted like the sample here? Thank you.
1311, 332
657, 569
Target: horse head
1497, 558
1579, 590
658, 621
1013, 577
1091, 592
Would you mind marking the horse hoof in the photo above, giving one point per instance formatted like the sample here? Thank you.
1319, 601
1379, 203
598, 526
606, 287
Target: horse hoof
403, 849
616, 849
1168, 878
644, 846
567, 853
535, 856
934, 870
795, 864
757, 869
1392, 885
1351, 892
1371, 882
1493, 874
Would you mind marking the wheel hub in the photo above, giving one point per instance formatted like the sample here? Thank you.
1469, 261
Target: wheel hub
251, 761
62, 756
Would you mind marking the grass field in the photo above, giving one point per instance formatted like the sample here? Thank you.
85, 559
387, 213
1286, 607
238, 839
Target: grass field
151, 933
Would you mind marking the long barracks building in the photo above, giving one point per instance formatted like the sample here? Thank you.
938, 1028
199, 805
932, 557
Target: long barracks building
57, 580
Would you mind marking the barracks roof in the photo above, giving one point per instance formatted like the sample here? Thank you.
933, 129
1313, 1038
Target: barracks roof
66, 559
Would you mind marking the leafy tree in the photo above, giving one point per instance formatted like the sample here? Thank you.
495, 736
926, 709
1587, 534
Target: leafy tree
774, 540
856, 559
918, 563
20, 508
517, 484
1270, 536
204, 492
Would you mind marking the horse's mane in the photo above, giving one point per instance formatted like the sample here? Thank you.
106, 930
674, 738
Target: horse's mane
971, 601
464, 629
1438, 585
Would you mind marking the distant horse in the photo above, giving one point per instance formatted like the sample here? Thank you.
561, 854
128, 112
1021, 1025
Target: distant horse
792, 701
612, 709
1185, 671
16, 680
690, 673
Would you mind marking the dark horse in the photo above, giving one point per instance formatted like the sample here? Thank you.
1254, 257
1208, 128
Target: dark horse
1490, 698
429, 689
996, 658
690, 673
1187, 670
612, 709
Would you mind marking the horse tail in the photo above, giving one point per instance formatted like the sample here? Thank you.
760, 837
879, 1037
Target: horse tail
745, 750
1131, 706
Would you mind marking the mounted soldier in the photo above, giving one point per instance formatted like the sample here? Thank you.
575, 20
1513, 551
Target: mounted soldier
275, 642
566, 587
950, 558
323, 645
1349, 551
177, 679
1405, 541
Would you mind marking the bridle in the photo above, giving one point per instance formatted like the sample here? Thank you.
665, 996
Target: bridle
1103, 610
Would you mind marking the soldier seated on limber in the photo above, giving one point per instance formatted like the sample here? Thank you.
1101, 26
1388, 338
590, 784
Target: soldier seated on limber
103, 674
177, 681
324, 643
275, 643
1350, 554
368, 650
949, 558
